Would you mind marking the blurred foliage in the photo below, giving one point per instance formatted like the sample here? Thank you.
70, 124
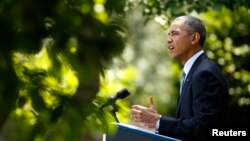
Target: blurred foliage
52, 55
229, 46
56, 56
165, 10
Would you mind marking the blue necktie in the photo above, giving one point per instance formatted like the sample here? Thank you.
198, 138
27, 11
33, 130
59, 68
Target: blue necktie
182, 81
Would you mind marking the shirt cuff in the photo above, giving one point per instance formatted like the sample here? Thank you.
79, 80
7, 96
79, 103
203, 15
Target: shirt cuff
157, 125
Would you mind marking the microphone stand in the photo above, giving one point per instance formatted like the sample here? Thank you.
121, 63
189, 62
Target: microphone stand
113, 112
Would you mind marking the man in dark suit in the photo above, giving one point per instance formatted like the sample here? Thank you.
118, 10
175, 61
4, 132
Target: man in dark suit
203, 98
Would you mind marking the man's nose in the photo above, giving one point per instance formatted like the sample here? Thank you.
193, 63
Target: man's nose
169, 39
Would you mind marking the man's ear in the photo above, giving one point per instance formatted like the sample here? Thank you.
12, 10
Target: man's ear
195, 38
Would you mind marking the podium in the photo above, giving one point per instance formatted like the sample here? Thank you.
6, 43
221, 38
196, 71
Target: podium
126, 132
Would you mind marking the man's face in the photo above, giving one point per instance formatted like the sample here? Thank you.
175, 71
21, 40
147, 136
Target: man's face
179, 42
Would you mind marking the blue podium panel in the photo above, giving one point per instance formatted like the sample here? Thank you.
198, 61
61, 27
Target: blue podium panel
127, 132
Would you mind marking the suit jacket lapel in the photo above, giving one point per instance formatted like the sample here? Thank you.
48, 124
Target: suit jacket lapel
188, 79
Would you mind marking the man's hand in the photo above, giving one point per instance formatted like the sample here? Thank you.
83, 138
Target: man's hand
147, 116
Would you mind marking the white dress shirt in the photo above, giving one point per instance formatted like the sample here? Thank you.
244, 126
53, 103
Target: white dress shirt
191, 61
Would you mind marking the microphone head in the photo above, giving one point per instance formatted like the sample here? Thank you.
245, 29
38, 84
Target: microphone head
122, 93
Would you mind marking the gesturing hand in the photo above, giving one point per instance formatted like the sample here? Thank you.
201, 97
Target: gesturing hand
147, 116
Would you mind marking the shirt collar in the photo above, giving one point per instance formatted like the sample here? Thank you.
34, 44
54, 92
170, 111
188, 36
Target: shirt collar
191, 61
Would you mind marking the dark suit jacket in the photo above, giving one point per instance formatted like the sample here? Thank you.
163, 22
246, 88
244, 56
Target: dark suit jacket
203, 103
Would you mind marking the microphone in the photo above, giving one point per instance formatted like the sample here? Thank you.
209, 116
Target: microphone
119, 95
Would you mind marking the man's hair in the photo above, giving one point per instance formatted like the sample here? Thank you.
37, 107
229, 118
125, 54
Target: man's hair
194, 24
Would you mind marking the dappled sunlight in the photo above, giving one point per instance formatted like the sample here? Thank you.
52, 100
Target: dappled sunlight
242, 50
39, 61
65, 82
72, 45
27, 113
51, 101
244, 101
52, 86
69, 81
100, 12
